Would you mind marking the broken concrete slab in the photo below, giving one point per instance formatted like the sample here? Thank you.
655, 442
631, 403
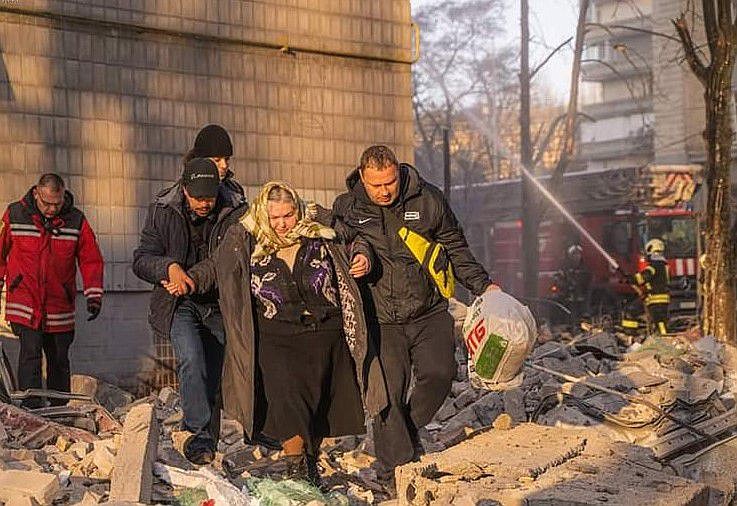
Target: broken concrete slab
709, 349
103, 458
458, 387
573, 366
90, 498
108, 395
543, 466
22, 500
41, 486
466, 397
132, 475
551, 349
446, 411
80, 449
168, 397
18, 419
488, 407
716, 468
601, 344
514, 404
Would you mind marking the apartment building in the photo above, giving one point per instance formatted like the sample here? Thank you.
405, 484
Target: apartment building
642, 103
617, 86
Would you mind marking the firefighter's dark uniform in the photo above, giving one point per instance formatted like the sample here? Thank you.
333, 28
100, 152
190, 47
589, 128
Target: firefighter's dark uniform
653, 281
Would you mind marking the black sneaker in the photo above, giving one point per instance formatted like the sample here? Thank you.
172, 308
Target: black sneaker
199, 451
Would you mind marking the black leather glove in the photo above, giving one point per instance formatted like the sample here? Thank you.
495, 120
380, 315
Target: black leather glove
93, 308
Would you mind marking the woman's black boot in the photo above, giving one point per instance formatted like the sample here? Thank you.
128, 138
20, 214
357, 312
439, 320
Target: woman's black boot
313, 472
296, 467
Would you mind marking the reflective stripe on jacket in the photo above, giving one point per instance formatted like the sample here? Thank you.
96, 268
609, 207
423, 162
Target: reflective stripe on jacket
654, 281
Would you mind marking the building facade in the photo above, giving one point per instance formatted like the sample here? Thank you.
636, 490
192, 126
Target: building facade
110, 94
617, 86
642, 103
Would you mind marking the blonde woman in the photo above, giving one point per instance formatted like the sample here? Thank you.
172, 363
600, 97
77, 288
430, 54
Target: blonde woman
298, 361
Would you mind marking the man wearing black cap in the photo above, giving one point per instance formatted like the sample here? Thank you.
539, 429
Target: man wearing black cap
184, 225
213, 142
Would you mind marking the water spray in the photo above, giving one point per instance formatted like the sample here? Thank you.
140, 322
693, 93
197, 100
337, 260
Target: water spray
551, 198
546, 193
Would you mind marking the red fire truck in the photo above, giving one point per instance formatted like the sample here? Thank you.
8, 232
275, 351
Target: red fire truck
622, 210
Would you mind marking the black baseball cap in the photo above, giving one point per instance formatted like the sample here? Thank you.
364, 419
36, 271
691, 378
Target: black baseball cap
200, 178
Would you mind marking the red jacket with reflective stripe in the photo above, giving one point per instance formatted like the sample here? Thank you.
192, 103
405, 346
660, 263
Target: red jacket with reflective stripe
38, 263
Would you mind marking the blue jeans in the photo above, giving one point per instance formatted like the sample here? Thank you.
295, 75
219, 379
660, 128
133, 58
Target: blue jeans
198, 338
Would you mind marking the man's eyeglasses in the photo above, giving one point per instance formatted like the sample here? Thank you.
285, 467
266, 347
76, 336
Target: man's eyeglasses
48, 204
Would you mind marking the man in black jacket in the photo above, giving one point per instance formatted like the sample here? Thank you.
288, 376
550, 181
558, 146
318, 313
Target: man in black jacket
411, 320
184, 225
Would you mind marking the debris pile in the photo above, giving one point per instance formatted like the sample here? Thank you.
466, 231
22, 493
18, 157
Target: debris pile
124, 450
669, 397
599, 417
540, 466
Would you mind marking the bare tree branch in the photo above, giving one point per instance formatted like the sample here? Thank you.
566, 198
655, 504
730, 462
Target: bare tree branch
710, 24
697, 66
550, 55
725, 15
608, 29
542, 147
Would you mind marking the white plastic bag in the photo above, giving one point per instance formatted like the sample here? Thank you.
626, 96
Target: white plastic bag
499, 333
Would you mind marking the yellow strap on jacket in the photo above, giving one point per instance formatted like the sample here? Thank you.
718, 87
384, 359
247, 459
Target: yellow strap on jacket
433, 257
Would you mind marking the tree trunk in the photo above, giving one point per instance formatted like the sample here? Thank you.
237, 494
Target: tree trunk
718, 317
530, 214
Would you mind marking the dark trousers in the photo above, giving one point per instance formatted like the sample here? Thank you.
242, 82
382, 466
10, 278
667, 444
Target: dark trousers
198, 339
658, 318
309, 386
423, 348
56, 348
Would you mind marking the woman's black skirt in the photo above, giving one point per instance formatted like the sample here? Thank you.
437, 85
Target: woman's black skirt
308, 386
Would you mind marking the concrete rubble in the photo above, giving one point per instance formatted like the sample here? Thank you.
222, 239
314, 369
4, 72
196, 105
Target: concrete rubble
600, 417
538, 466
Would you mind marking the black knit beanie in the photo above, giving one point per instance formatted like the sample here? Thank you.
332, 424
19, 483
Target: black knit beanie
213, 141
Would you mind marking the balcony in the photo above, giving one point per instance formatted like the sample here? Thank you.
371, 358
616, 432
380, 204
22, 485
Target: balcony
612, 70
624, 107
617, 148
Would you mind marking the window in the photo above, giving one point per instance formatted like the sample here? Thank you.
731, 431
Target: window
617, 237
678, 233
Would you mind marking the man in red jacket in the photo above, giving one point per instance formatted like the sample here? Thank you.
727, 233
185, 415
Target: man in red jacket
42, 238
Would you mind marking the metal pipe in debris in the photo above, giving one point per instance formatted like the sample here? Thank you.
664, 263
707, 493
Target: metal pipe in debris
627, 397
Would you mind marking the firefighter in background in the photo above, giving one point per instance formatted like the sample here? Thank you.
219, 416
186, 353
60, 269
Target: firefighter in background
573, 284
651, 282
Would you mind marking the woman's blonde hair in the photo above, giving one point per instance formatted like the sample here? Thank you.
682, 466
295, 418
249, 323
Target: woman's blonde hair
281, 195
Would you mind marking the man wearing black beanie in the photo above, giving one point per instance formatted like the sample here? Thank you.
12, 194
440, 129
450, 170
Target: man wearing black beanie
213, 142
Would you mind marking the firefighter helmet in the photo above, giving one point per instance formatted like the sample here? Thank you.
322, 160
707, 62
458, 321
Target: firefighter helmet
574, 250
654, 246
